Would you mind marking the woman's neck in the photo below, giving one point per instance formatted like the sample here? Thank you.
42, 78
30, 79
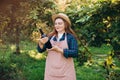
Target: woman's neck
61, 32
59, 36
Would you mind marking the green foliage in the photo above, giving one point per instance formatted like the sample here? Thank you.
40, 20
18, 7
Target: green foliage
18, 19
97, 23
25, 67
7, 69
20, 67
90, 73
102, 49
41, 10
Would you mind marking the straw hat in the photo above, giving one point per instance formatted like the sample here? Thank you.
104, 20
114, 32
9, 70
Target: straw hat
63, 16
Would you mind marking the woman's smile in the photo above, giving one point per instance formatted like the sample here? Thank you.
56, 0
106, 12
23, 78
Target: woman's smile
59, 25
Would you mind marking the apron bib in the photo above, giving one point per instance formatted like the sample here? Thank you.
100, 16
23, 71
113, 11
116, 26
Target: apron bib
57, 66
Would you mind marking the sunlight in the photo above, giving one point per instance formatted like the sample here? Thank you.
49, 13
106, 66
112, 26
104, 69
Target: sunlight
34, 54
12, 47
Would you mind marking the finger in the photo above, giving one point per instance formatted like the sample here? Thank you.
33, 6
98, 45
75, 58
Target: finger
50, 49
45, 38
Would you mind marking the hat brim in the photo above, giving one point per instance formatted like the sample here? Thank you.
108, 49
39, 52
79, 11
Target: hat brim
61, 16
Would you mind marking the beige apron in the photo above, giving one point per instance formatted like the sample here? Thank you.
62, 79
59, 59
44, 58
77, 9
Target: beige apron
57, 66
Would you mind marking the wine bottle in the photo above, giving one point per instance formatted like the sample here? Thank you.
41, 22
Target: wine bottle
42, 33
48, 44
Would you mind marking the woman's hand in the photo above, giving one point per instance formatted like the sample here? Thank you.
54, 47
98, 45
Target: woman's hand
56, 48
42, 41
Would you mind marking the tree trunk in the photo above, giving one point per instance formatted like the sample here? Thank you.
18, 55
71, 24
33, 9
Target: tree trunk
17, 41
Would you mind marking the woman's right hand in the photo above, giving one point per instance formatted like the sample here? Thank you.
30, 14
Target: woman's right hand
42, 41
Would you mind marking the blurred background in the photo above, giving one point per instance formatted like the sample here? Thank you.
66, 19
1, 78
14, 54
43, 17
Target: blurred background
96, 23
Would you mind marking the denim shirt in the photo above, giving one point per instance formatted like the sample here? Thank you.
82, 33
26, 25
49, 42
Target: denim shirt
72, 50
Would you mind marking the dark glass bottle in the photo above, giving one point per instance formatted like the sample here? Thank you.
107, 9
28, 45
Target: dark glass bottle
48, 44
42, 33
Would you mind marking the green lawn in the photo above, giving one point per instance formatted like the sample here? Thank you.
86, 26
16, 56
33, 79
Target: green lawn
30, 65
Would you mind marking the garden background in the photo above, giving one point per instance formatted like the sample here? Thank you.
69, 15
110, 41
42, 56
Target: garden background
96, 23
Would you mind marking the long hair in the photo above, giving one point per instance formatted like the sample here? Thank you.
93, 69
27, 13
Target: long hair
68, 29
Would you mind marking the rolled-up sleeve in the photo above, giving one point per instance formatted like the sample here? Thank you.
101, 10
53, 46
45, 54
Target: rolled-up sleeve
72, 51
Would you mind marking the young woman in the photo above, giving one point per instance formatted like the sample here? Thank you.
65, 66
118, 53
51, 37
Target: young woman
59, 61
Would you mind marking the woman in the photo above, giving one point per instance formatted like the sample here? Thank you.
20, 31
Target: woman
59, 61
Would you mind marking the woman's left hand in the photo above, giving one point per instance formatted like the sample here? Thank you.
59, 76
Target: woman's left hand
56, 48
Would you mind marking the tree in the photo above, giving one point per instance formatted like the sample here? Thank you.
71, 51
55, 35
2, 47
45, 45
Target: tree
97, 22
21, 16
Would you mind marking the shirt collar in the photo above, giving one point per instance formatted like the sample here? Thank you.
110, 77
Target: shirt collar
61, 39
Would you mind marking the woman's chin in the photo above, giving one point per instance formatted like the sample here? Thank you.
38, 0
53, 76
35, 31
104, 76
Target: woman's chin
58, 30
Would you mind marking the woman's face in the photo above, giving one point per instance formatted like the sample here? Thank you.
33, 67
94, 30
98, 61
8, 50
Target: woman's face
59, 25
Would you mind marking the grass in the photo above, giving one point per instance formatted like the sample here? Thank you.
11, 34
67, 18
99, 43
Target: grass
30, 65
104, 49
87, 73
22, 66
94, 69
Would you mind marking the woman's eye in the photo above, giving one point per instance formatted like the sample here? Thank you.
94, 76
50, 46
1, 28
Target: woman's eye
55, 24
58, 23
